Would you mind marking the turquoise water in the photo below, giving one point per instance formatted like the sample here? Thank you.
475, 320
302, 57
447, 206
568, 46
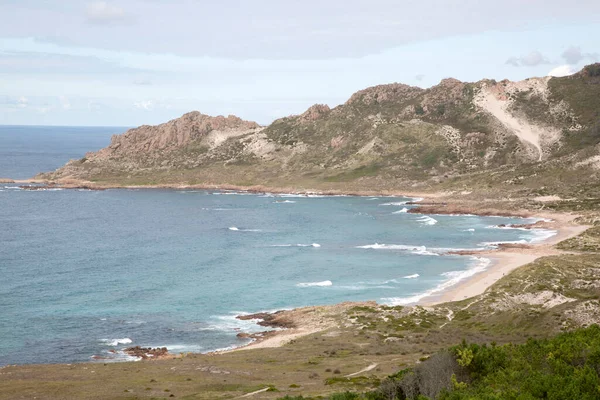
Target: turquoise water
88, 273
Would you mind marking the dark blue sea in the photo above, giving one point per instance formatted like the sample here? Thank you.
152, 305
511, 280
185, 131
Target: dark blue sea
87, 273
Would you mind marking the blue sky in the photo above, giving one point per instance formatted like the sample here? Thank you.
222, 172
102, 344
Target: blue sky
132, 62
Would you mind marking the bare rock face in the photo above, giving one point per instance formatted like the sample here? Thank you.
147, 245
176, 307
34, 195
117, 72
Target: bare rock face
172, 135
388, 133
314, 112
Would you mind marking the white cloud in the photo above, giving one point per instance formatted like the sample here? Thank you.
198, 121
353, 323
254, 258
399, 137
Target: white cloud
64, 102
532, 59
142, 82
144, 105
22, 102
573, 55
101, 12
280, 29
563, 70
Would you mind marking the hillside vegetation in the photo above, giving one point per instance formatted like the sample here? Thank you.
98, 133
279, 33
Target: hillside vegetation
564, 367
385, 137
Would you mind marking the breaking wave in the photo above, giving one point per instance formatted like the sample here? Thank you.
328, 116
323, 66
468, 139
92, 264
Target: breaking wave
426, 220
296, 245
419, 250
413, 276
235, 228
478, 265
116, 342
315, 284
403, 211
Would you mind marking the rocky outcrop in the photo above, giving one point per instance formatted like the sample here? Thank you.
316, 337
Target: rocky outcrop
384, 93
176, 134
314, 112
146, 353
393, 136
273, 320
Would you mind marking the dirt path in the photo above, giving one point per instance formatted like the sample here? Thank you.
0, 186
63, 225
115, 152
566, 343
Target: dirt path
253, 393
369, 368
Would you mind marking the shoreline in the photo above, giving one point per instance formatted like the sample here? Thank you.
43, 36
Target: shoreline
504, 260
259, 189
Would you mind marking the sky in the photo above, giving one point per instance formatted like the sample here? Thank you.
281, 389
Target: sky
133, 62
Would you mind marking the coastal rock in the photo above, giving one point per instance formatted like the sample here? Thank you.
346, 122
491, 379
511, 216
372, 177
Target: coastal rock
148, 352
272, 320
6, 180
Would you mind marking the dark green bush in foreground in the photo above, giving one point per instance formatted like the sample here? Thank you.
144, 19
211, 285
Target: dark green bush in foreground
564, 367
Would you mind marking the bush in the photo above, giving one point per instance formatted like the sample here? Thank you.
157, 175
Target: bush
593, 70
344, 396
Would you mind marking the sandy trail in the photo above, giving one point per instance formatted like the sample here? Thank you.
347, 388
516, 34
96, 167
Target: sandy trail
369, 368
253, 393
526, 132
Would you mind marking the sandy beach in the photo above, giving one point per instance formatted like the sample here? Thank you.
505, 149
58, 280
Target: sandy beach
507, 259
504, 260
309, 320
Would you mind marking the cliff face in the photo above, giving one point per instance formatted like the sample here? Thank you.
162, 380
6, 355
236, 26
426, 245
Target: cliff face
394, 133
188, 130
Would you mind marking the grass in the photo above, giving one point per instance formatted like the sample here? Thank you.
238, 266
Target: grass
392, 337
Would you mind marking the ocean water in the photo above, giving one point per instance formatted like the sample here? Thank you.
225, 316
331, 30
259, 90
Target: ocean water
28, 150
88, 273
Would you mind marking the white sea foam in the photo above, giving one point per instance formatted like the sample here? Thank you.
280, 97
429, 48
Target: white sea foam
419, 250
395, 203
283, 201
364, 287
413, 276
403, 211
114, 357
235, 228
426, 220
233, 193
469, 230
496, 244
540, 235
311, 284
532, 236
478, 265
296, 245
299, 195
116, 342
229, 323
178, 348
507, 227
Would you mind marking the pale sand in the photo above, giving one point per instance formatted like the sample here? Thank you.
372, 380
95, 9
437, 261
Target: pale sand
505, 261
314, 319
